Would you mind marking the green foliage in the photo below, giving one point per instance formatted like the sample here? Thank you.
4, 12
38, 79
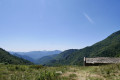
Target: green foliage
36, 66
46, 59
108, 72
109, 47
61, 59
7, 58
38, 72
72, 75
30, 72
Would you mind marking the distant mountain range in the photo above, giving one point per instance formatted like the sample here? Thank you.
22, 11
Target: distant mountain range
109, 47
7, 58
34, 56
24, 57
46, 59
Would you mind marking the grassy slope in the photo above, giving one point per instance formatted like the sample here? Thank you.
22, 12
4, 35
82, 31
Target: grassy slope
109, 47
5, 57
37, 72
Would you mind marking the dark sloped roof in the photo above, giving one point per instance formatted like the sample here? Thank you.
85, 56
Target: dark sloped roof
102, 60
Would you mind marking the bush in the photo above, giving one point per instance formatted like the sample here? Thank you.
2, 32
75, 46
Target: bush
37, 66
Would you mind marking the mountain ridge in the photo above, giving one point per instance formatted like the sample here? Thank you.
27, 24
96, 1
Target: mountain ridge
109, 47
34, 56
7, 58
37, 54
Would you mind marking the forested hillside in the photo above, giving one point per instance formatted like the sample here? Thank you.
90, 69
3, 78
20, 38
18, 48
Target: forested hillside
109, 47
7, 58
52, 59
45, 59
24, 57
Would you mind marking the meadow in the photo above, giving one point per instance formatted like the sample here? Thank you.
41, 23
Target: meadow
39, 72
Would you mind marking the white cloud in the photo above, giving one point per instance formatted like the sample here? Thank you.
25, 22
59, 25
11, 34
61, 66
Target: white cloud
88, 18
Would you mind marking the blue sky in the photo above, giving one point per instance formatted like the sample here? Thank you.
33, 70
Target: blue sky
28, 25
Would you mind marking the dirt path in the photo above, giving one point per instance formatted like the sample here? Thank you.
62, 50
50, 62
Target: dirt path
80, 74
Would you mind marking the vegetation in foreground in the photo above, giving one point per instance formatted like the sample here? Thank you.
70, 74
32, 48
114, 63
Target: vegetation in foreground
30, 72
38, 72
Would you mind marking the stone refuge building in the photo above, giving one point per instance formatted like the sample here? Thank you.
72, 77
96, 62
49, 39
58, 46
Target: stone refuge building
100, 61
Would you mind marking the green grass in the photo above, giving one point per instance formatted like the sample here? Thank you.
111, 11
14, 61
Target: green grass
108, 72
72, 75
39, 72
31, 72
